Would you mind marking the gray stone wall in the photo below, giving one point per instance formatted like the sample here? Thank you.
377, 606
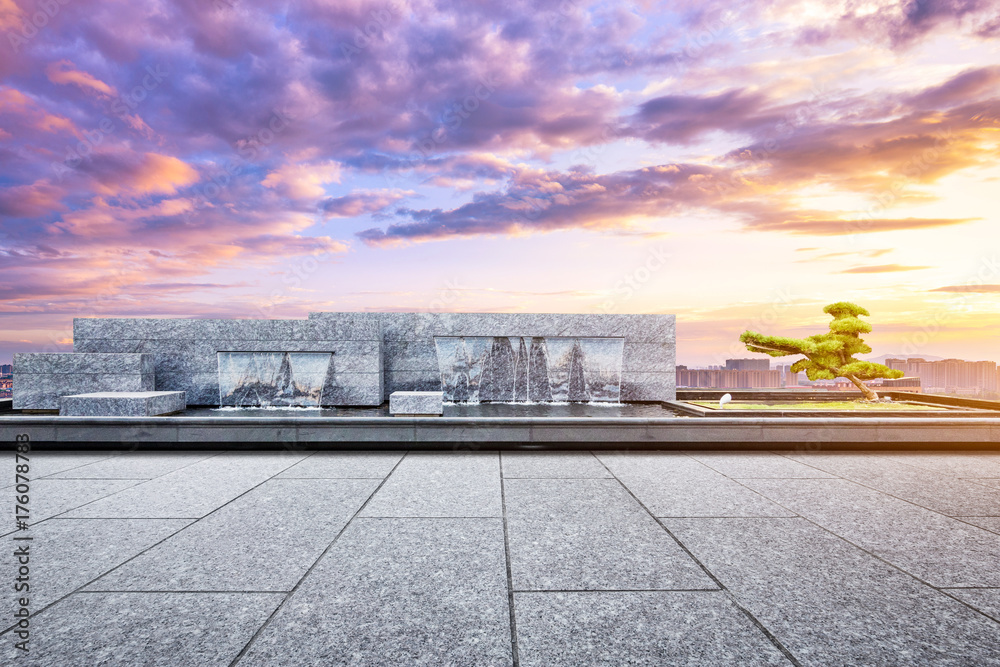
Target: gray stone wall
374, 354
41, 379
185, 352
648, 364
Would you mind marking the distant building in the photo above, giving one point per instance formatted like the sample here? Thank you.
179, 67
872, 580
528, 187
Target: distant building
6, 369
902, 384
951, 376
728, 379
748, 364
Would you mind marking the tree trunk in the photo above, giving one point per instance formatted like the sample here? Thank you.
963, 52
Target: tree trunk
869, 393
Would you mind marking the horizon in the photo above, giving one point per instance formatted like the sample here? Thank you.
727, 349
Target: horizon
740, 167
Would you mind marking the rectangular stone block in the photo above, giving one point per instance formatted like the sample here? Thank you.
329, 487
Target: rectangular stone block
347, 326
411, 355
421, 326
412, 381
648, 386
198, 388
122, 404
73, 363
416, 403
353, 389
42, 391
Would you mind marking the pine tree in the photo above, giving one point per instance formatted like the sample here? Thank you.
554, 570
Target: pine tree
829, 355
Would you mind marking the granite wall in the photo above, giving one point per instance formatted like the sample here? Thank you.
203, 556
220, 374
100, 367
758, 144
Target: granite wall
374, 354
185, 352
410, 358
41, 379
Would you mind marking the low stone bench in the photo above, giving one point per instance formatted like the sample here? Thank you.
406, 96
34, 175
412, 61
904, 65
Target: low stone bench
122, 404
416, 403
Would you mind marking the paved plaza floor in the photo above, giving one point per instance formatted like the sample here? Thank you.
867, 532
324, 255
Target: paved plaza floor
505, 558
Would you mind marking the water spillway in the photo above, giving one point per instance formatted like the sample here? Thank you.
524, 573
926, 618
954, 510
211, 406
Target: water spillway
537, 369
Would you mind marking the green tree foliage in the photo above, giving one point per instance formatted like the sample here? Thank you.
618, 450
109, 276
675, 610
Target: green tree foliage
829, 355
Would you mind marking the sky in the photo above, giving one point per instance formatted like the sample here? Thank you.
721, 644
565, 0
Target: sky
740, 165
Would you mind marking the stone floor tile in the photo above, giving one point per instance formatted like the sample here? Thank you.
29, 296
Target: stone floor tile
990, 523
149, 629
830, 603
938, 549
679, 486
48, 497
755, 464
65, 554
590, 535
425, 592
132, 465
938, 491
957, 464
265, 540
551, 464
194, 491
344, 464
428, 484
638, 629
44, 463
986, 600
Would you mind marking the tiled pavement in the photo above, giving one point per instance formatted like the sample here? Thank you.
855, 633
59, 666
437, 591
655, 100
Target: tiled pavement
512, 558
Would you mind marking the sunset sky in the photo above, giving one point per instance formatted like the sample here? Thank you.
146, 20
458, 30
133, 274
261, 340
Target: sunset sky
738, 164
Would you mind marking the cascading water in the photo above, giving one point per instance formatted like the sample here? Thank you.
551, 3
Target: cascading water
251, 379
503, 369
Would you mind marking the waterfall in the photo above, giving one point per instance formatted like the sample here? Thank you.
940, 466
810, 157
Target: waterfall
539, 388
577, 379
529, 368
521, 372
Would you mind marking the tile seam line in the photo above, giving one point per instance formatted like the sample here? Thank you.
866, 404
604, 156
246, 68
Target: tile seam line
515, 652
82, 465
718, 582
883, 560
73, 509
618, 590
191, 591
263, 626
135, 451
138, 482
152, 546
80, 588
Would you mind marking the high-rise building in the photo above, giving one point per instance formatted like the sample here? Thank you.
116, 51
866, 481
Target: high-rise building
950, 375
728, 379
6, 369
748, 364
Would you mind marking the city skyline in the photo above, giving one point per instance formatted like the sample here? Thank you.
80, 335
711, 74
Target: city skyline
738, 166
